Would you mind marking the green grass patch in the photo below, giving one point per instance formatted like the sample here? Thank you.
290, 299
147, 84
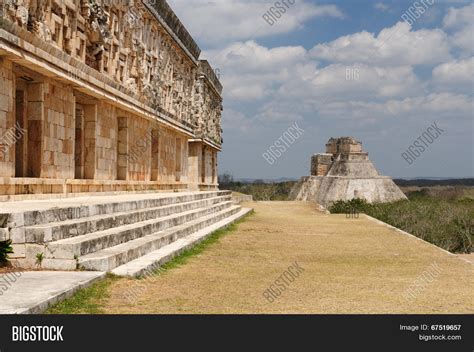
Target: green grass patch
87, 300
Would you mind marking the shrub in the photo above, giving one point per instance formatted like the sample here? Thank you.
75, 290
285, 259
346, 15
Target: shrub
344, 207
447, 224
5, 250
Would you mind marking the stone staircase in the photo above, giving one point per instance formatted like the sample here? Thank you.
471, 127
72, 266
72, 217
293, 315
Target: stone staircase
124, 236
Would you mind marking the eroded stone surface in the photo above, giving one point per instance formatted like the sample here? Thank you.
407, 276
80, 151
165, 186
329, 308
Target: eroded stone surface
100, 96
33, 292
344, 172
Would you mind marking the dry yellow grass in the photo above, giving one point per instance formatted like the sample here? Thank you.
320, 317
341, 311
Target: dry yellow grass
350, 266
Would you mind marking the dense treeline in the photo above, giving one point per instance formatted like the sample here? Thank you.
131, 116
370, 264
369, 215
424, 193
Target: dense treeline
431, 183
259, 189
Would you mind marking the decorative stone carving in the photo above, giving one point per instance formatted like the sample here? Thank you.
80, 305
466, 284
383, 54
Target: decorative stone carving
124, 41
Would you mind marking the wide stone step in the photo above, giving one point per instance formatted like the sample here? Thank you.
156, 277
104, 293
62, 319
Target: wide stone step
110, 258
77, 227
105, 205
145, 265
75, 247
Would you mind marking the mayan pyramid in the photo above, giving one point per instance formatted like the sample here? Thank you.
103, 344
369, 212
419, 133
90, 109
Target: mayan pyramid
344, 172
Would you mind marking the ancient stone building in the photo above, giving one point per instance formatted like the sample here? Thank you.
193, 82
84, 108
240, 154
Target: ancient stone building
103, 103
102, 95
344, 172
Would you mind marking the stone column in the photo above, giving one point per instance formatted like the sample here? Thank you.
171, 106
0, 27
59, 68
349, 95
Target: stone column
194, 165
7, 118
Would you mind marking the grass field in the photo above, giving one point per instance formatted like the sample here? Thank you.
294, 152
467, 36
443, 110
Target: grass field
350, 266
442, 216
440, 212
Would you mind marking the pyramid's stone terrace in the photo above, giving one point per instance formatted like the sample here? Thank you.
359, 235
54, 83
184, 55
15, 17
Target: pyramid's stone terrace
344, 172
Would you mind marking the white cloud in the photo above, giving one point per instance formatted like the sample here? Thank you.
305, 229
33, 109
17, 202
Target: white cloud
278, 112
233, 120
397, 45
464, 39
336, 81
455, 73
461, 22
459, 17
373, 85
407, 110
250, 71
222, 21
250, 56
382, 7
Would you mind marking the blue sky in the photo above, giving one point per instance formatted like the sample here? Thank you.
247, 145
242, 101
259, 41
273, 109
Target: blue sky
341, 68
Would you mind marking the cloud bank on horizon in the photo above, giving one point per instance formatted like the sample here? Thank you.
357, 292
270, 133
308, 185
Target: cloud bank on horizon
373, 70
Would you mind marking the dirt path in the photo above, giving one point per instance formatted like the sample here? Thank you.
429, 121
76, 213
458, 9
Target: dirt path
350, 266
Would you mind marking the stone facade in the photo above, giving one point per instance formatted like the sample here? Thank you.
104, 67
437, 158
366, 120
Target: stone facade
320, 164
102, 96
344, 172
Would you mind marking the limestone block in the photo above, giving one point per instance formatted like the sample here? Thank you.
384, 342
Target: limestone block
17, 235
36, 92
3, 119
4, 234
19, 251
5, 102
35, 111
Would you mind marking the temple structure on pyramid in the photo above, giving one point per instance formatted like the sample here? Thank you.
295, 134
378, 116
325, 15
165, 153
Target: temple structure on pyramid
344, 172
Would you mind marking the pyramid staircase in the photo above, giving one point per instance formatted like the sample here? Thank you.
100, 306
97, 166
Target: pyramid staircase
125, 236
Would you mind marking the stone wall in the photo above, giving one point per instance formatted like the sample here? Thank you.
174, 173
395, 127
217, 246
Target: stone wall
139, 154
58, 127
150, 54
107, 97
320, 164
208, 176
343, 145
202, 164
126, 43
173, 156
194, 165
208, 104
7, 119
106, 142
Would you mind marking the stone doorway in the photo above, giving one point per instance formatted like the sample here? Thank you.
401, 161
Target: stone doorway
28, 130
20, 126
79, 143
178, 159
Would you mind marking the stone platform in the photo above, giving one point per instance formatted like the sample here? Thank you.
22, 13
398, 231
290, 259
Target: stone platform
34, 291
104, 233
325, 190
344, 172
